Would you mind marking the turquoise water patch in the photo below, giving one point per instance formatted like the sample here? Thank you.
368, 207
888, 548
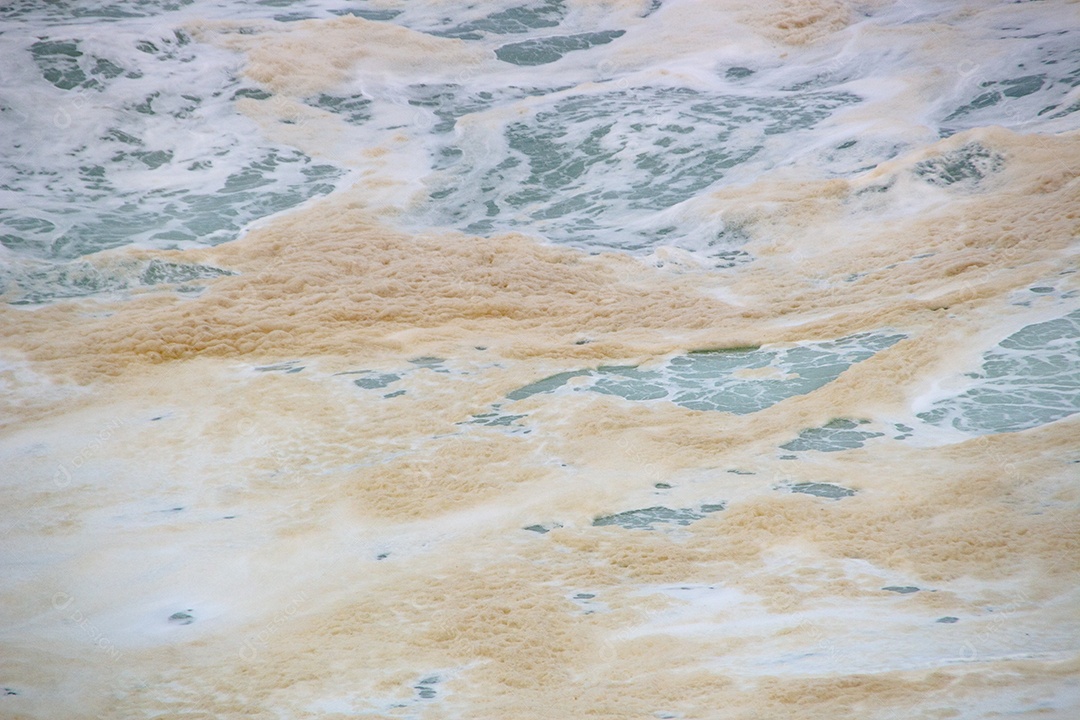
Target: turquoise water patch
289, 367
1011, 91
381, 380
647, 518
431, 363
1031, 378
834, 436
546, 385
541, 529
588, 603
687, 133
66, 67
377, 15
716, 380
1043, 293
970, 164
425, 689
65, 12
136, 140
540, 51
515, 20
376, 381
34, 284
159, 271
353, 109
581, 168
77, 220
496, 419
822, 490
996, 91
903, 431
447, 102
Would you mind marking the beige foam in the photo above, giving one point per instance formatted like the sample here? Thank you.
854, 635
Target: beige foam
297, 613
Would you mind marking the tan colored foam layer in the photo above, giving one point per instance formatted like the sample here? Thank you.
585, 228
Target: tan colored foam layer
304, 58
337, 547
487, 606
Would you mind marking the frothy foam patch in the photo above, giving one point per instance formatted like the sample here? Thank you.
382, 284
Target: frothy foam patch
1028, 379
356, 463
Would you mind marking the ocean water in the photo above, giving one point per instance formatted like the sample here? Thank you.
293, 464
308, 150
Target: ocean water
551, 359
